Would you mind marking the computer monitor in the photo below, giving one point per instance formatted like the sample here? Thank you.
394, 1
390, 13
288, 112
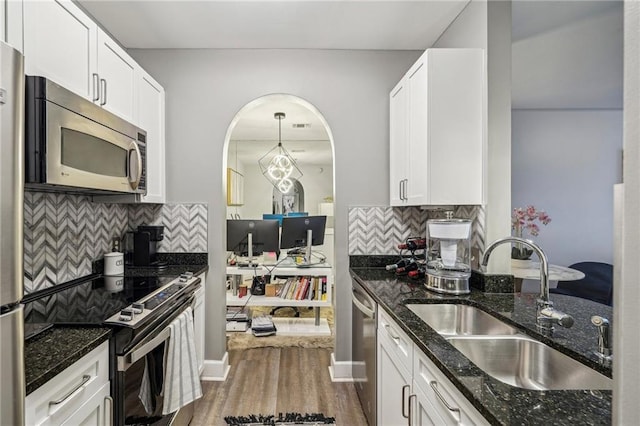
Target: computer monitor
303, 231
247, 237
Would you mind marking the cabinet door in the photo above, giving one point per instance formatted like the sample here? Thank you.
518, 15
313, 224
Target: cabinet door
97, 411
118, 76
59, 43
151, 119
422, 412
455, 126
394, 387
418, 133
12, 23
398, 144
3, 20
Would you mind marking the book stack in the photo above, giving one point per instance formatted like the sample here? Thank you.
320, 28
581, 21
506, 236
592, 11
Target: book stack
262, 325
238, 319
303, 288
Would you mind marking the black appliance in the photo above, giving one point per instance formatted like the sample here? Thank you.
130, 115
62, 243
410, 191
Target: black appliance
139, 310
145, 246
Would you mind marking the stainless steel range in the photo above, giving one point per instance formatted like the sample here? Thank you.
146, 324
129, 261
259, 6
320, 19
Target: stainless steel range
140, 310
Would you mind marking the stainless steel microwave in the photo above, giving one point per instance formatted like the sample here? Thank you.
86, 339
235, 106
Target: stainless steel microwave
74, 145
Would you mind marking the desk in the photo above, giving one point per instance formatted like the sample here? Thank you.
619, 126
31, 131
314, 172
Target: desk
532, 272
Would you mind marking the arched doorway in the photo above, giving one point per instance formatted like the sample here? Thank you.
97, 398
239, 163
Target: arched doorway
307, 138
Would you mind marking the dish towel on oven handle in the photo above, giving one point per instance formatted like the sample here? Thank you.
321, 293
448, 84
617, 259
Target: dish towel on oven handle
182, 378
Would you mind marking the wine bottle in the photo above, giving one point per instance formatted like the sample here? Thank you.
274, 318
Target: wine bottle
402, 263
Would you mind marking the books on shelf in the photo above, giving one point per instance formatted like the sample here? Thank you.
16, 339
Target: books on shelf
303, 288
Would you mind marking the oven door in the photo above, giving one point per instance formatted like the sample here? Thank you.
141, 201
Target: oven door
85, 154
138, 399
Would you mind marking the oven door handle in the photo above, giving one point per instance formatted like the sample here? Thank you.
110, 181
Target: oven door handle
140, 352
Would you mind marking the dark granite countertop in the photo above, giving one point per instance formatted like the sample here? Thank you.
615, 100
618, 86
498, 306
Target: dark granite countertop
500, 403
50, 352
53, 350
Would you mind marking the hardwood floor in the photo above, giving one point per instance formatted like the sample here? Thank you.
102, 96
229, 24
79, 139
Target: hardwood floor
273, 380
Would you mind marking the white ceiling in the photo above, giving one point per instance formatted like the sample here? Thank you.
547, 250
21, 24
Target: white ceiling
270, 24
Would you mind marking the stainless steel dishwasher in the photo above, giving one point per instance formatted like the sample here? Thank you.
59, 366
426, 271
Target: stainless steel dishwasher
363, 349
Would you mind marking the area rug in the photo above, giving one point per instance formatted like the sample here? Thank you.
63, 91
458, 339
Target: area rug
242, 340
280, 419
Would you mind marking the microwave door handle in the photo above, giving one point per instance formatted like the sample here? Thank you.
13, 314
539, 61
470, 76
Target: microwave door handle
135, 182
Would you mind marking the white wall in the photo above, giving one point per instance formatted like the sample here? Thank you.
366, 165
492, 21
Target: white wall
204, 91
566, 162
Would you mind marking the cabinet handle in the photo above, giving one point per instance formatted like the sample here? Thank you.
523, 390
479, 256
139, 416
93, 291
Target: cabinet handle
85, 379
400, 189
396, 338
103, 91
434, 386
404, 390
110, 411
410, 417
406, 183
96, 89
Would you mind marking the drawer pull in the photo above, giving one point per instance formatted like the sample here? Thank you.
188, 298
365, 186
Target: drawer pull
85, 379
109, 411
410, 422
434, 386
404, 389
390, 333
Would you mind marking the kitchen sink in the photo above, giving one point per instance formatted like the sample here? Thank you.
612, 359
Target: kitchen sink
526, 363
450, 319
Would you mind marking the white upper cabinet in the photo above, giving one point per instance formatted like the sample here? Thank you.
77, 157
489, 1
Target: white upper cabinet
63, 44
117, 77
441, 120
151, 118
398, 144
60, 43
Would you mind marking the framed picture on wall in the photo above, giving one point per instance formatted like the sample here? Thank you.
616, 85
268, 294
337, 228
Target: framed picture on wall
235, 188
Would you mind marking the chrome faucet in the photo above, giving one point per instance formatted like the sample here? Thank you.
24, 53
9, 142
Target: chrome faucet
546, 315
604, 338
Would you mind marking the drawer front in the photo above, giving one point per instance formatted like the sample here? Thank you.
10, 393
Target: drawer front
396, 340
60, 397
97, 411
450, 404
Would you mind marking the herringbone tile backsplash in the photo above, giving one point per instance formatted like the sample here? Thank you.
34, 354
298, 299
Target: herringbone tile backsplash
378, 230
64, 234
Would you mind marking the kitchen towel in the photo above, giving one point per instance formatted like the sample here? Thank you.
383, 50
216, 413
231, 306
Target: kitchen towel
152, 379
182, 379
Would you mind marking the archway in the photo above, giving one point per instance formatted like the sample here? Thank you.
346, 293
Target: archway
306, 135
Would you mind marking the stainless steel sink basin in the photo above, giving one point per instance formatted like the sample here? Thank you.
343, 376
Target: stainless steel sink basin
526, 363
451, 319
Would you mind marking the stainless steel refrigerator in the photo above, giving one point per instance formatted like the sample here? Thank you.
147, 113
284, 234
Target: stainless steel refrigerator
12, 382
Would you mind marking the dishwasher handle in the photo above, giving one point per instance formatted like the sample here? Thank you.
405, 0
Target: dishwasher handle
356, 293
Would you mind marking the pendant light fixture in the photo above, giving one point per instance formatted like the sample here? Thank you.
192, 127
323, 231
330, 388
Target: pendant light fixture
277, 165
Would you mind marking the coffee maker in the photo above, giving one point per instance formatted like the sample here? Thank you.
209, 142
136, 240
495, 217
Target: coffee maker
145, 241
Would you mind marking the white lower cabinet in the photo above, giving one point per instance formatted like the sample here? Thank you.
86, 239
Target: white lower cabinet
394, 364
411, 389
79, 395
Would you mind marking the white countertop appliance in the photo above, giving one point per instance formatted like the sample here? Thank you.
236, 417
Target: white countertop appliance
448, 255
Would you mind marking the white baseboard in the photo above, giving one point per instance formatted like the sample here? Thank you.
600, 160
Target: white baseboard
340, 371
216, 370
